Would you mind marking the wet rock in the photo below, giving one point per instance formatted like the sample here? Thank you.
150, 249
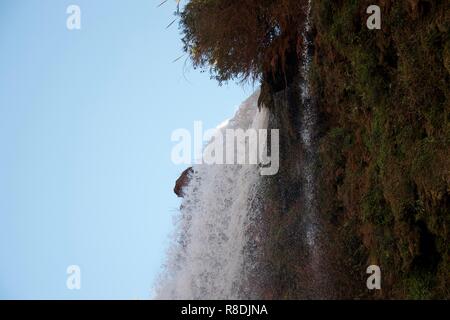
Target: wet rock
182, 181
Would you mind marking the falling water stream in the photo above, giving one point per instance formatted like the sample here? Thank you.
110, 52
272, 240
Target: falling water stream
308, 125
308, 132
207, 259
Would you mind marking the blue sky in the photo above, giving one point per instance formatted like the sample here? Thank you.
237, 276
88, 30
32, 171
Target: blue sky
85, 122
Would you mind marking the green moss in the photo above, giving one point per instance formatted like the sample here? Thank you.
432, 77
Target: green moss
419, 286
385, 152
374, 209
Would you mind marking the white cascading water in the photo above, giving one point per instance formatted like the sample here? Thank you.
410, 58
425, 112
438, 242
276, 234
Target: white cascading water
308, 125
308, 132
206, 260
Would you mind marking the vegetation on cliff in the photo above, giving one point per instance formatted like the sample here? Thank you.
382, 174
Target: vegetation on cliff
256, 40
384, 107
385, 101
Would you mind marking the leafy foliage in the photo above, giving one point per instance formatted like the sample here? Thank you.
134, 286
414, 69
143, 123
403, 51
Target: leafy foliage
241, 39
388, 93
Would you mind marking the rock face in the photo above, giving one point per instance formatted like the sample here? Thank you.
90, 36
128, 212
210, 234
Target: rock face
376, 173
384, 100
182, 181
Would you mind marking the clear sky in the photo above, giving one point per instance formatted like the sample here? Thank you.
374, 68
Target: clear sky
86, 117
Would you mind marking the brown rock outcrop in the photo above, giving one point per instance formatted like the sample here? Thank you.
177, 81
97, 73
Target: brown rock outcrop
182, 181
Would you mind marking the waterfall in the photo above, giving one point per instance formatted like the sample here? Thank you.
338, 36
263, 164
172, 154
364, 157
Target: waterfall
313, 231
308, 126
207, 259
213, 249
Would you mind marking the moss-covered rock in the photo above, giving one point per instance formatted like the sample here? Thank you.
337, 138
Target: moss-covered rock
385, 150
